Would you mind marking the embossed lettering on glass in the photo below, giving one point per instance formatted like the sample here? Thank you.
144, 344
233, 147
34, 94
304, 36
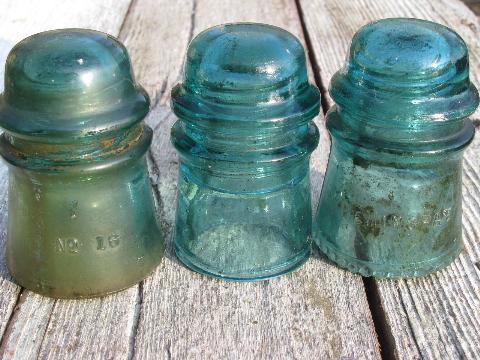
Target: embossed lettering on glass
81, 218
391, 201
244, 136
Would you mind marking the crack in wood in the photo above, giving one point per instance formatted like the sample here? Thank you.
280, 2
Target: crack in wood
136, 321
477, 265
164, 226
23, 334
143, 338
157, 126
159, 94
441, 313
127, 14
168, 350
382, 328
191, 31
313, 62
192, 21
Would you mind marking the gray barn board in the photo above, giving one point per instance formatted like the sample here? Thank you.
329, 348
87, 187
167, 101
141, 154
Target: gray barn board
319, 311
437, 316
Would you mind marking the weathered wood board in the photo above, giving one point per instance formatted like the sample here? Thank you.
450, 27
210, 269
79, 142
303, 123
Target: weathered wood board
318, 311
437, 316
30, 325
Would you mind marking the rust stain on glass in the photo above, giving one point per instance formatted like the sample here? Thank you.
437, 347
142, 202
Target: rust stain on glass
81, 219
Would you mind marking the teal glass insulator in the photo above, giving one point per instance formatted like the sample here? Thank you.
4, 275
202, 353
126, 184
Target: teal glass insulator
244, 136
81, 219
391, 201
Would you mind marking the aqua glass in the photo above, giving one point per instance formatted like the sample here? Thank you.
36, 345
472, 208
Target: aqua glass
244, 136
81, 217
391, 202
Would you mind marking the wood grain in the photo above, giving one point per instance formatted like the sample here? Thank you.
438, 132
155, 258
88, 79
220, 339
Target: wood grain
177, 313
156, 34
437, 316
317, 311
9, 291
30, 325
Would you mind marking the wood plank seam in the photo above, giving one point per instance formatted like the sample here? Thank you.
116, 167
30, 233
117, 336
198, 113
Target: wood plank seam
192, 23
164, 226
427, 316
159, 95
313, 62
22, 309
382, 329
21, 291
159, 203
136, 321
170, 281
285, 335
129, 10
154, 172
385, 336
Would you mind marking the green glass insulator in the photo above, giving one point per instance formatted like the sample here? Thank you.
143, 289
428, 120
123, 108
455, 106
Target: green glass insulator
391, 202
81, 219
244, 135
